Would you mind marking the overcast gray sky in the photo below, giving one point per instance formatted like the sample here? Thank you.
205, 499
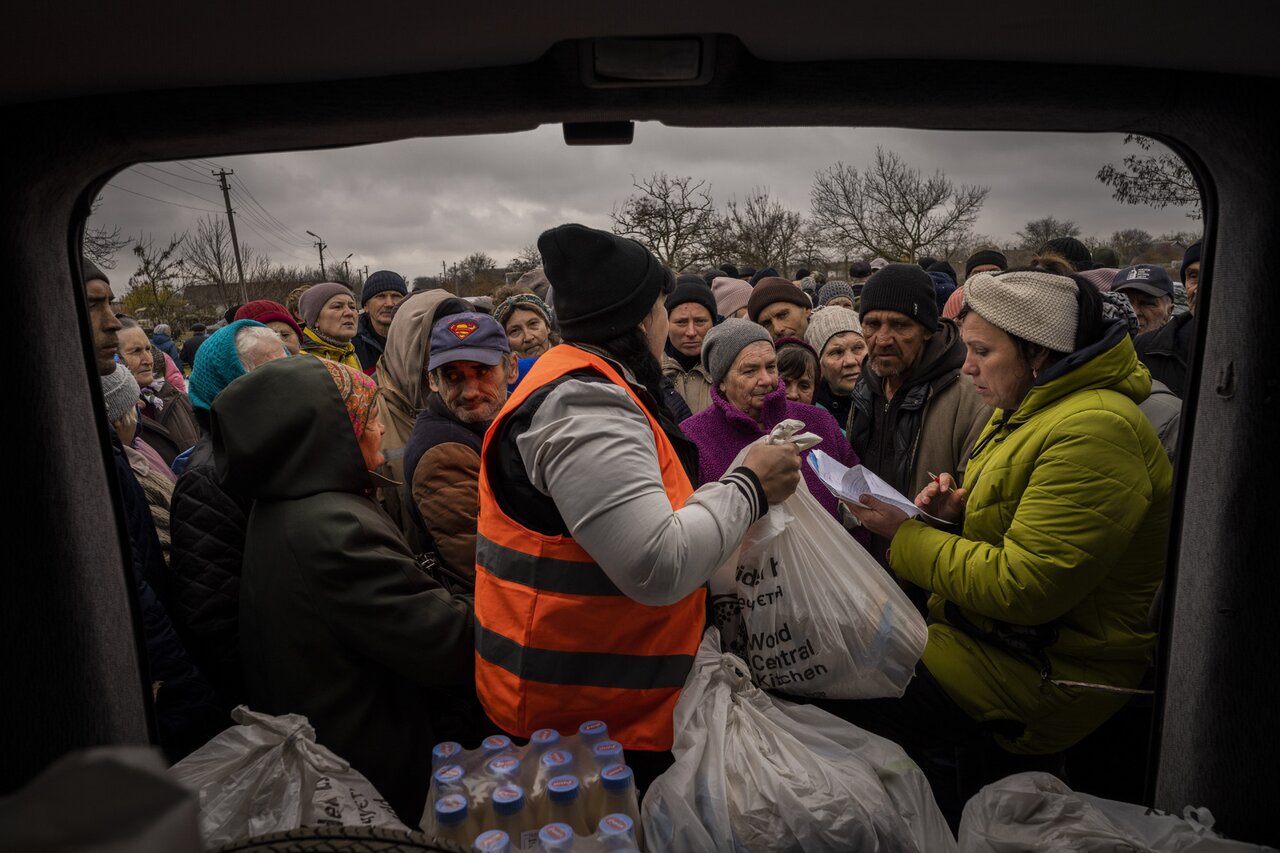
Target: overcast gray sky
409, 205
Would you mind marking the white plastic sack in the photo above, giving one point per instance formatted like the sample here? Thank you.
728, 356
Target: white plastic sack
753, 773
809, 610
269, 774
1038, 813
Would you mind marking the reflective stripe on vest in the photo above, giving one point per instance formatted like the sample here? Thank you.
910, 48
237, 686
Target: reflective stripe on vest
557, 642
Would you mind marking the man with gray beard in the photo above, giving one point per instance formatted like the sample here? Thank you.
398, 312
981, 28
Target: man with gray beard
469, 368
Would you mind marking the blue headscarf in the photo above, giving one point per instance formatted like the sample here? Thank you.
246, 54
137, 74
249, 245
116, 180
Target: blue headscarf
217, 365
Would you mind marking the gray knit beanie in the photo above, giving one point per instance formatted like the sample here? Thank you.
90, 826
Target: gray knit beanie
311, 302
723, 343
1039, 307
833, 289
826, 323
120, 390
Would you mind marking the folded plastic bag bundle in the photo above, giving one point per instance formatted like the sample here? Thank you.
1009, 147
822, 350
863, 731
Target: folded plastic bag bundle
808, 608
1038, 813
269, 774
754, 773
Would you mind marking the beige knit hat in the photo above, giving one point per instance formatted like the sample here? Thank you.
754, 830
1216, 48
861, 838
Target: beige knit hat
1039, 307
829, 321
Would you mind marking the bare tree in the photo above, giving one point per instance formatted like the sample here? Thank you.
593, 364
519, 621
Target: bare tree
155, 288
1157, 180
891, 209
1179, 238
672, 216
101, 243
1037, 232
528, 258
1129, 243
761, 232
209, 255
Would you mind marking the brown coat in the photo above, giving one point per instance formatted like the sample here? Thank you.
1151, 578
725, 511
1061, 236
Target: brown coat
693, 385
446, 493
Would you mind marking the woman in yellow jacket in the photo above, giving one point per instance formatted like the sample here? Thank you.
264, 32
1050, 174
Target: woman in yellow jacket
1042, 581
332, 319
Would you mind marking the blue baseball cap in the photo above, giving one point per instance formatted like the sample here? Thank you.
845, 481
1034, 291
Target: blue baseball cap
468, 336
1144, 278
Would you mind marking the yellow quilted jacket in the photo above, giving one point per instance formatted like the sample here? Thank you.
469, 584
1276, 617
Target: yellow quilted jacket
1063, 546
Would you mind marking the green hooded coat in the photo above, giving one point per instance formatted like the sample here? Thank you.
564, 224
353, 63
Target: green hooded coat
337, 622
1063, 545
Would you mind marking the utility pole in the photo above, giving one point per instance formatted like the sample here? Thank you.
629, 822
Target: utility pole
364, 275
221, 175
346, 266
322, 246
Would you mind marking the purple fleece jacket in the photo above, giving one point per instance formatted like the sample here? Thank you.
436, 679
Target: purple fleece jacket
721, 431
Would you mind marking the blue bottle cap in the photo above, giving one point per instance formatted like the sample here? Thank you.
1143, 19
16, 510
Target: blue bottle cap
593, 729
496, 743
544, 738
563, 789
557, 759
492, 841
505, 767
617, 777
449, 775
616, 826
451, 810
441, 753
508, 800
556, 836
607, 752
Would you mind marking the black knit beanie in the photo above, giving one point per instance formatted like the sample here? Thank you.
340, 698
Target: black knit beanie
926, 262
694, 291
381, 281
602, 285
942, 266
859, 269
760, 275
904, 288
89, 271
1189, 257
730, 270
1075, 252
986, 257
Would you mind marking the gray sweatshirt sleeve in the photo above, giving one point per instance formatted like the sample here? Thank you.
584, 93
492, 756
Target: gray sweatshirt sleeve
590, 449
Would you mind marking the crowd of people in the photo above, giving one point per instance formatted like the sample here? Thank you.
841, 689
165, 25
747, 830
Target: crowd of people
414, 517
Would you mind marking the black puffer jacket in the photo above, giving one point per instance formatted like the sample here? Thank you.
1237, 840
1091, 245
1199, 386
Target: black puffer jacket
207, 529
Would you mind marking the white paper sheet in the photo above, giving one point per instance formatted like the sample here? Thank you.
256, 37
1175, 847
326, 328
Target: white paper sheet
851, 484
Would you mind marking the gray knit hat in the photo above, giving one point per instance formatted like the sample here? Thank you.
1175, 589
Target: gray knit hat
832, 289
311, 302
120, 390
1039, 307
723, 343
826, 323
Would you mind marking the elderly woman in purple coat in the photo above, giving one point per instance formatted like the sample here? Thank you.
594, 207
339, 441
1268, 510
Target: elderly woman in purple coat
748, 400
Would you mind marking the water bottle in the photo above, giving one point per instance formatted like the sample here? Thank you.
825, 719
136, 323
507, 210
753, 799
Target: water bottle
603, 754
544, 739
556, 837
505, 770
513, 815
564, 798
619, 786
556, 762
449, 779
607, 752
492, 841
446, 752
452, 819
592, 732
495, 745
616, 832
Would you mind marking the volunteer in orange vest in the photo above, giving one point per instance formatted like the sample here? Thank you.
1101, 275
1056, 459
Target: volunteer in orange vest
593, 545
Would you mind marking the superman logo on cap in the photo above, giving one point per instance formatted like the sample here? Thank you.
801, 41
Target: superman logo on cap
462, 329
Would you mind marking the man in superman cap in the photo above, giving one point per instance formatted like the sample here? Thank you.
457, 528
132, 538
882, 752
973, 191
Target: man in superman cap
469, 368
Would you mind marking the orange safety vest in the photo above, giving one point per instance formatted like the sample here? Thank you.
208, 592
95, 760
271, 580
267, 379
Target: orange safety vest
556, 642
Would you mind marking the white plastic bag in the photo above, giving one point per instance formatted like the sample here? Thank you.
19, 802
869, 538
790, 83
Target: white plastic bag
753, 773
1038, 813
269, 774
809, 610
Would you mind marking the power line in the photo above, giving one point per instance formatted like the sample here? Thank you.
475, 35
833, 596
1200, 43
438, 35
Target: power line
281, 232
203, 183
268, 213
173, 187
282, 249
161, 200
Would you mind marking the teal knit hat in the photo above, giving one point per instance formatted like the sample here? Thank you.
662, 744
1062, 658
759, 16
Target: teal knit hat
217, 365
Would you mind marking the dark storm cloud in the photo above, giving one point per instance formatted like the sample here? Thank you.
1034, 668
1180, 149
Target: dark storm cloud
412, 204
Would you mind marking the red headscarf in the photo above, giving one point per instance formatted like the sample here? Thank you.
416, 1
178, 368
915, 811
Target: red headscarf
358, 391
